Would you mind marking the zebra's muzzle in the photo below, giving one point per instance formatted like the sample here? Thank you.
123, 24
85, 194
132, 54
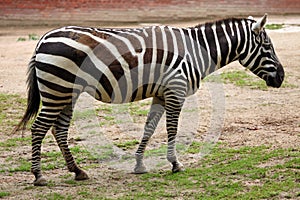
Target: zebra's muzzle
276, 81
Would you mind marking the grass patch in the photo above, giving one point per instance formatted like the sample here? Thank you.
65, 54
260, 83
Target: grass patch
239, 78
84, 193
244, 78
127, 145
195, 147
136, 109
12, 108
285, 84
18, 141
244, 173
85, 114
227, 174
162, 150
71, 182
274, 26
31, 36
23, 166
104, 108
54, 196
4, 194
105, 152
52, 160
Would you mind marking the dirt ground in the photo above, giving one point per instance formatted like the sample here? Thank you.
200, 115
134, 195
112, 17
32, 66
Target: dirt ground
252, 117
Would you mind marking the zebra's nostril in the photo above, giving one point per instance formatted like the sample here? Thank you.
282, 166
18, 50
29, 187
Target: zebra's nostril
281, 77
281, 73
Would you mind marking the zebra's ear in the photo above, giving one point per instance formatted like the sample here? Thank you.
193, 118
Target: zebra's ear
250, 17
257, 27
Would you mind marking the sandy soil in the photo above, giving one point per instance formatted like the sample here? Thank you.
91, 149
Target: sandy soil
251, 117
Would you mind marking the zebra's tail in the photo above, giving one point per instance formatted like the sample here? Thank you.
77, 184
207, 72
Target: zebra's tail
33, 97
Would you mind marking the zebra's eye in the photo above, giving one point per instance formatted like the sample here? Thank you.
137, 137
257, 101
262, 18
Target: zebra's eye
267, 45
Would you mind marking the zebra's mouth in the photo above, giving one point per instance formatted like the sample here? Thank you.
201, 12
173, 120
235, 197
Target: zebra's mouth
276, 81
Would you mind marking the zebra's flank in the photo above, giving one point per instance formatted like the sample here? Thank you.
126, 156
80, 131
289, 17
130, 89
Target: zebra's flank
33, 98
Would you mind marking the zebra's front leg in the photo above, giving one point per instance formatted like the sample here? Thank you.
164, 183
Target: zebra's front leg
154, 115
172, 115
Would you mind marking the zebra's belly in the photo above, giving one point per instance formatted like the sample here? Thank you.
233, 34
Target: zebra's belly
124, 95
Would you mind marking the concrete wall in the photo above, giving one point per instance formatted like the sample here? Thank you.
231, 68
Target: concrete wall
109, 11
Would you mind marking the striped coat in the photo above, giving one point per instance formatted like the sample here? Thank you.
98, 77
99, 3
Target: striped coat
126, 65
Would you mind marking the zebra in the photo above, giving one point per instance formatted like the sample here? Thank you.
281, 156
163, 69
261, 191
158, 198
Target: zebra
121, 65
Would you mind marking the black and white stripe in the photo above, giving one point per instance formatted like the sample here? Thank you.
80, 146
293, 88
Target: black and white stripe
126, 65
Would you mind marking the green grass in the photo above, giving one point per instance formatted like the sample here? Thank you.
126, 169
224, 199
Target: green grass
54, 159
136, 109
85, 114
54, 196
84, 192
107, 115
194, 147
274, 26
286, 84
243, 79
127, 145
17, 141
162, 150
227, 174
22, 166
12, 108
240, 78
244, 173
50, 160
104, 108
4, 194
31, 36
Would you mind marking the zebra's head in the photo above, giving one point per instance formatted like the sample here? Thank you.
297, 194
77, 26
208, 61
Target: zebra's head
260, 55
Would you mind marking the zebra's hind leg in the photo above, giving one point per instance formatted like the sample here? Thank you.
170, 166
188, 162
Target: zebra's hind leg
41, 125
156, 111
60, 132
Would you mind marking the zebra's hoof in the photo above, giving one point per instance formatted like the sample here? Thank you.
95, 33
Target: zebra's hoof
41, 181
141, 169
177, 167
81, 176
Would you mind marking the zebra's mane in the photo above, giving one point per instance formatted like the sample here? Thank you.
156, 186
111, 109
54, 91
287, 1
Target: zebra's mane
220, 21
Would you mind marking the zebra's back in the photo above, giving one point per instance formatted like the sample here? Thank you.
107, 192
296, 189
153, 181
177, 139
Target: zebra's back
114, 65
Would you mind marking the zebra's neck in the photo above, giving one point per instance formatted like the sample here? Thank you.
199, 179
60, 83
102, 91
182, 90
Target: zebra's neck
219, 43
